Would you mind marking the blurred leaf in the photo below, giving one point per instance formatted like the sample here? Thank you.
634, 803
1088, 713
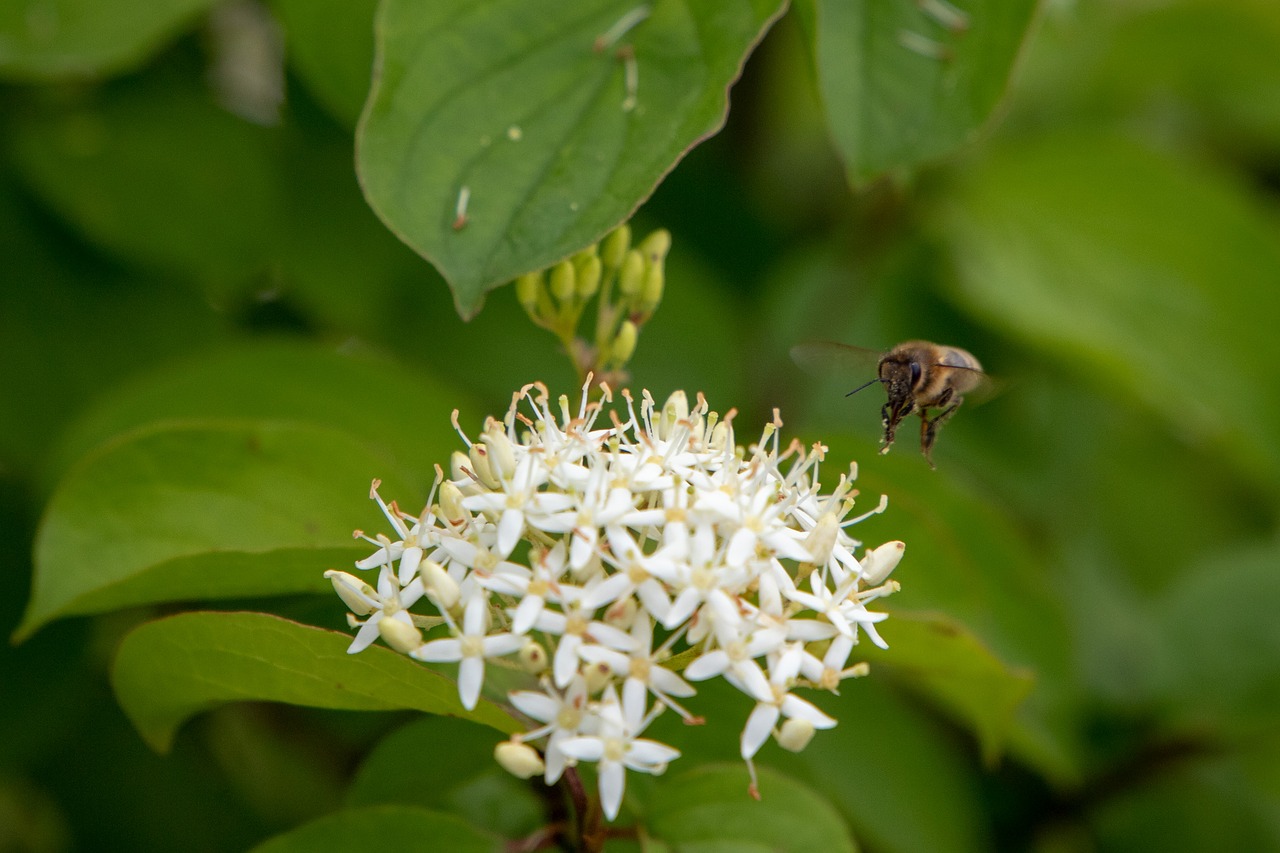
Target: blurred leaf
512, 104
153, 170
384, 827
288, 381
171, 669
78, 38
1207, 804
940, 659
63, 317
1166, 68
1223, 639
202, 510
1143, 271
448, 764
905, 83
708, 809
966, 559
332, 241
902, 781
330, 44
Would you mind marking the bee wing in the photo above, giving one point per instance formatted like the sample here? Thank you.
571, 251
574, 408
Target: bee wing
826, 358
985, 387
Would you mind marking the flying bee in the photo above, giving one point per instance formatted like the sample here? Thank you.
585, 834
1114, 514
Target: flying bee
917, 376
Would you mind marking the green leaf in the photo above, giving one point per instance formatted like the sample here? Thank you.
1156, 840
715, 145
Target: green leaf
330, 44
906, 83
512, 103
965, 559
384, 828
902, 780
1144, 272
1222, 637
465, 778
75, 38
709, 809
288, 381
202, 510
120, 166
63, 317
1205, 802
939, 658
168, 670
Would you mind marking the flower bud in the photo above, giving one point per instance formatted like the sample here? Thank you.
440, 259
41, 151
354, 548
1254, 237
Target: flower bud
533, 657
527, 291
624, 345
480, 466
651, 291
795, 734
589, 273
460, 467
439, 584
823, 538
354, 592
614, 247
502, 458
674, 410
399, 636
451, 507
563, 281
655, 246
631, 276
879, 563
519, 759
597, 675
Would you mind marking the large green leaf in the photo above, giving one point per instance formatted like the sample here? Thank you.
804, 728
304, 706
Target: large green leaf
63, 317
383, 827
168, 670
456, 758
203, 510
965, 559
905, 83
66, 38
287, 381
153, 170
1151, 274
708, 808
939, 658
1222, 638
511, 104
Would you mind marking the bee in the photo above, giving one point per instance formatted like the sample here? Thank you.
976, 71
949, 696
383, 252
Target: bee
917, 376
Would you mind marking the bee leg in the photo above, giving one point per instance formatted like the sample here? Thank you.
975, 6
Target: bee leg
890, 427
929, 426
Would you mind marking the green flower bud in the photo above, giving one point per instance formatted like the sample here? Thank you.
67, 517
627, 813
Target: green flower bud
562, 281
651, 294
590, 271
527, 291
624, 345
655, 246
614, 247
631, 278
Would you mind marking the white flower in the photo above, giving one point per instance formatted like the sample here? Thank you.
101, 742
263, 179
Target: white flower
617, 748
613, 551
783, 669
470, 648
388, 601
564, 715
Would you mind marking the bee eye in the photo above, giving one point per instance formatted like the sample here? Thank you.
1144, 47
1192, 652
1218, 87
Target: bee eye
915, 372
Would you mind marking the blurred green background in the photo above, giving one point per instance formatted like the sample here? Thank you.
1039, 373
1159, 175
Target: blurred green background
1109, 248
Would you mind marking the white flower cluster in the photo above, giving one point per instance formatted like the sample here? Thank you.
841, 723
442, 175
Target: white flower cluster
603, 557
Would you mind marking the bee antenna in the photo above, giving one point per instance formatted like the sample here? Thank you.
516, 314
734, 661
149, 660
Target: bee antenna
863, 385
